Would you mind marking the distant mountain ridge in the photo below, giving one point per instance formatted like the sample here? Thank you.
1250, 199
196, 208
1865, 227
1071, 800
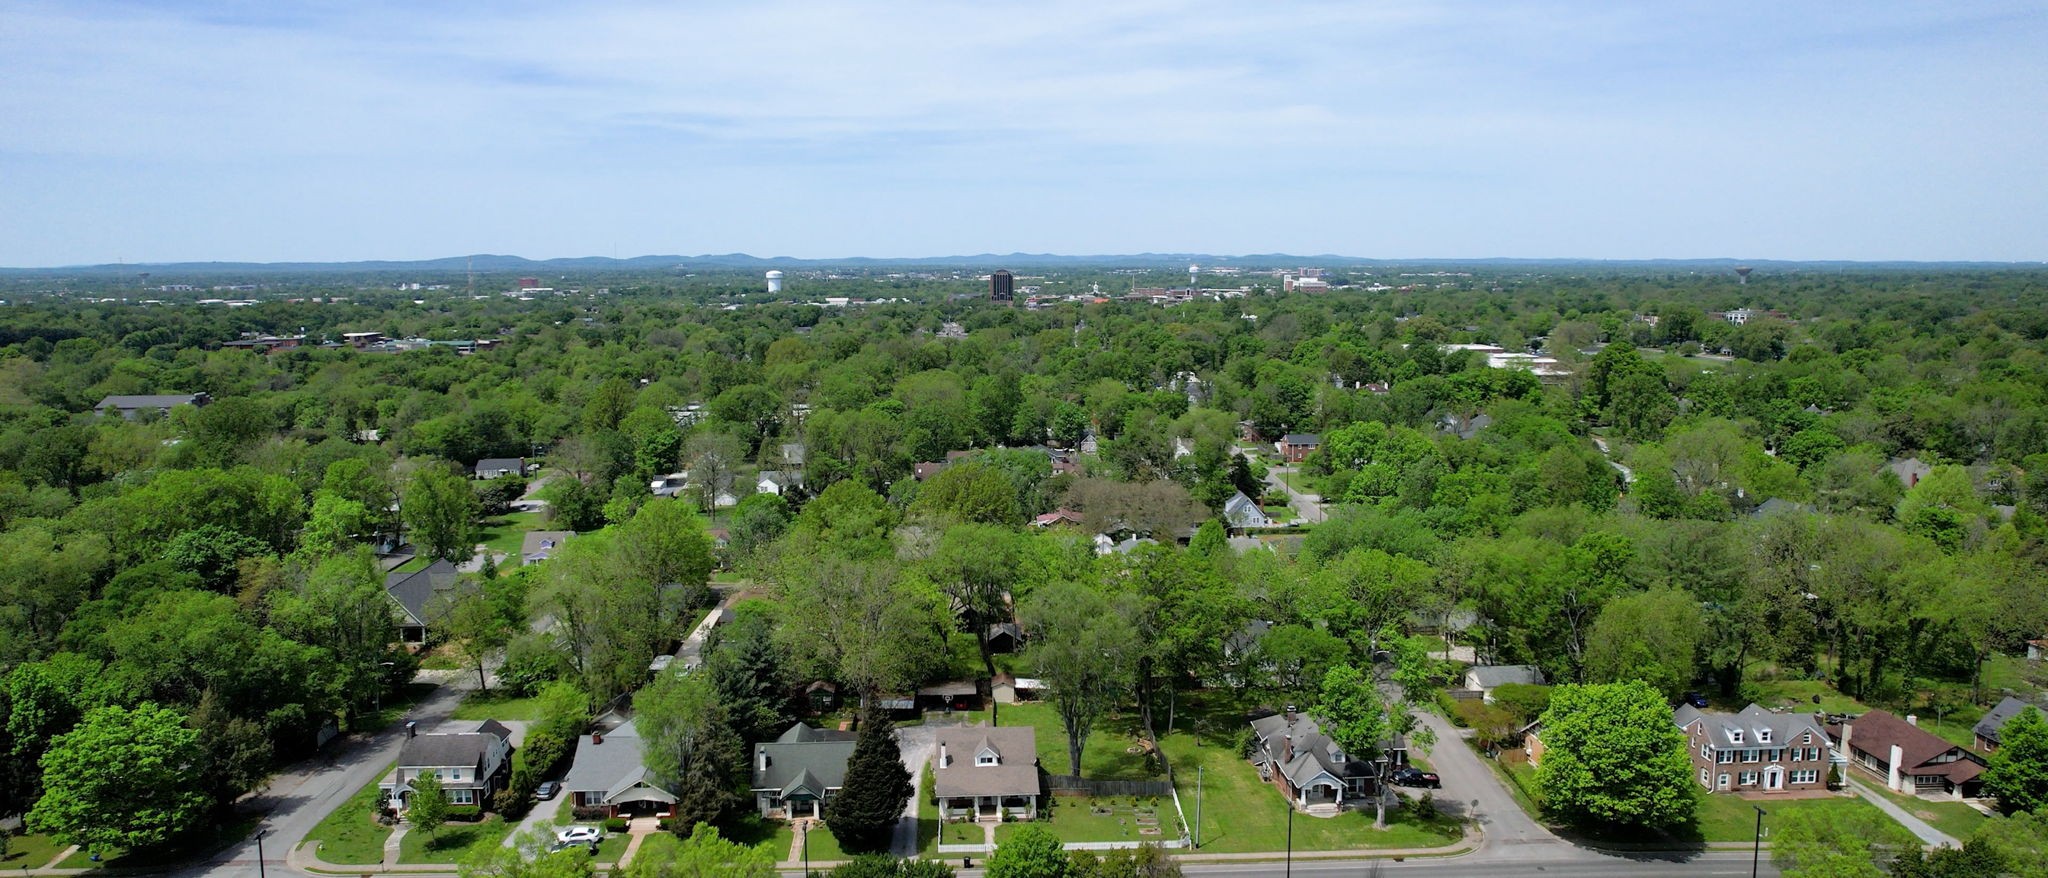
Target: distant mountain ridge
497, 263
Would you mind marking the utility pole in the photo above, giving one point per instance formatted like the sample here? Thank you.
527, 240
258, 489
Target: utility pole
1756, 853
1290, 841
1198, 807
259, 852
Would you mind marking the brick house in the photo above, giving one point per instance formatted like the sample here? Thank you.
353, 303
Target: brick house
1909, 759
1756, 750
1295, 447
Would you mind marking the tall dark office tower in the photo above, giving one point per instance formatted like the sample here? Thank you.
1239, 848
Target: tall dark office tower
1001, 286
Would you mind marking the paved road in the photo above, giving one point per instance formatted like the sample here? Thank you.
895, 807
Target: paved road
297, 800
1717, 864
1472, 790
1308, 507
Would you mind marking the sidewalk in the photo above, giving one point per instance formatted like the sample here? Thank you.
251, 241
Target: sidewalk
1915, 825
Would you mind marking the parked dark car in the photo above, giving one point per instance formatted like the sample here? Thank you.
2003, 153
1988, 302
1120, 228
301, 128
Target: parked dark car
1416, 777
547, 790
1695, 699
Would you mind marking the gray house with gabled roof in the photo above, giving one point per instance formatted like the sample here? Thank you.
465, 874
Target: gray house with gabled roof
471, 764
419, 596
610, 774
794, 775
987, 773
1291, 752
1992, 725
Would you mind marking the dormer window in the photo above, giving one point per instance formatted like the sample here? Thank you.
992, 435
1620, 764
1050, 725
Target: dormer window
986, 757
1734, 736
1763, 736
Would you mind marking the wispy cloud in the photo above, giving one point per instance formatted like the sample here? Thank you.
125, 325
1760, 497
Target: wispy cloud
1536, 128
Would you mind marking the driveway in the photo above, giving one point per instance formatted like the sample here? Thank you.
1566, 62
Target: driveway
1307, 507
1920, 828
916, 744
1471, 789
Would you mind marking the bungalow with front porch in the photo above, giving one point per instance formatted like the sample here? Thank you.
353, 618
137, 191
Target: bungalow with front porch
1291, 752
983, 773
610, 778
795, 775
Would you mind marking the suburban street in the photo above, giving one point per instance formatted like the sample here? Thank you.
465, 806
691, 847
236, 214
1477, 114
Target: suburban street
297, 800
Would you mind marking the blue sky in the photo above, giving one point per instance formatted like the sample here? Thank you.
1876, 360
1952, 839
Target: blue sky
395, 130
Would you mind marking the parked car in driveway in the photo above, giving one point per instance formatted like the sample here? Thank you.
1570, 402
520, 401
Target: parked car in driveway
1695, 699
580, 835
1416, 777
547, 790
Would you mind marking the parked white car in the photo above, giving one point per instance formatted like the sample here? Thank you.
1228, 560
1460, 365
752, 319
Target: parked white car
579, 835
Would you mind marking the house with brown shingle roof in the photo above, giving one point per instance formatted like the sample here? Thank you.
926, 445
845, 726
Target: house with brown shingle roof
987, 773
1909, 759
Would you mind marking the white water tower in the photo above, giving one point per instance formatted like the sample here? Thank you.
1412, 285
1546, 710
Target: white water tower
1192, 271
774, 281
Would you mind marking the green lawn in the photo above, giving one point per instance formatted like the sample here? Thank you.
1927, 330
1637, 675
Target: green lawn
196, 845
30, 852
927, 816
452, 840
1108, 754
1954, 818
1086, 818
350, 835
967, 832
1728, 817
824, 848
612, 848
497, 705
503, 534
1241, 813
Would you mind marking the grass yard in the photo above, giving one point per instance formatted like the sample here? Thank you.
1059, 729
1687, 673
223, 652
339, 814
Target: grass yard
503, 534
1108, 755
1728, 817
1241, 813
350, 835
30, 852
1110, 818
1954, 818
967, 832
612, 848
497, 705
824, 848
448, 844
927, 816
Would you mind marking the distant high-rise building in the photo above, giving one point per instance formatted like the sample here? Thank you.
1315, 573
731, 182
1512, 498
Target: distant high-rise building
529, 283
1002, 287
774, 281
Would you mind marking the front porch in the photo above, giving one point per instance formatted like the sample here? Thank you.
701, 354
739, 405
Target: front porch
988, 808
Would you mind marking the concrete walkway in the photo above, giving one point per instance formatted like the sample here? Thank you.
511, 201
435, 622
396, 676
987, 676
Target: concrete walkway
1915, 825
391, 844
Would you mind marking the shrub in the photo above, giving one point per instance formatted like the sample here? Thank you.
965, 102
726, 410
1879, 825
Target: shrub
1526, 701
512, 802
615, 824
466, 813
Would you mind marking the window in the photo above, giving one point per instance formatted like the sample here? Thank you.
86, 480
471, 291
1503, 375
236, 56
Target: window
1724, 781
1806, 738
1763, 736
1706, 752
1735, 736
985, 758
1777, 754
1703, 777
1749, 778
462, 797
1805, 775
1750, 755
1725, 757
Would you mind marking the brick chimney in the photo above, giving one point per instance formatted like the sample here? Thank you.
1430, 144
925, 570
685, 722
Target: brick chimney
1287, 749
596, 738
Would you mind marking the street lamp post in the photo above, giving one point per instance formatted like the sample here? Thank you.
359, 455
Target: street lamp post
1756, 853
807, 848
1290, 840
259, 852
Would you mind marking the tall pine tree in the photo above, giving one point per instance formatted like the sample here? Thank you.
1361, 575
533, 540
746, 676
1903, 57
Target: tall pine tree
877, 785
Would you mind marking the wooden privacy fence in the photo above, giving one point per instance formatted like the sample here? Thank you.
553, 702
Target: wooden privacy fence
1060, 784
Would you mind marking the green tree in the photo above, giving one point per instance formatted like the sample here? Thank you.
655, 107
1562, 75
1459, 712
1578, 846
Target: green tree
1613, 758
886, 866
863, 816
1355, 718
970, 491
1815, 844
426, 808
1032, 852
2018, 772
1147, 860
441, 510
666, 547
1651, 636
2021, 841
1085, 647
529, 856
757, 521
122, 779
473, 626
750, 672
691, 748
703, 854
